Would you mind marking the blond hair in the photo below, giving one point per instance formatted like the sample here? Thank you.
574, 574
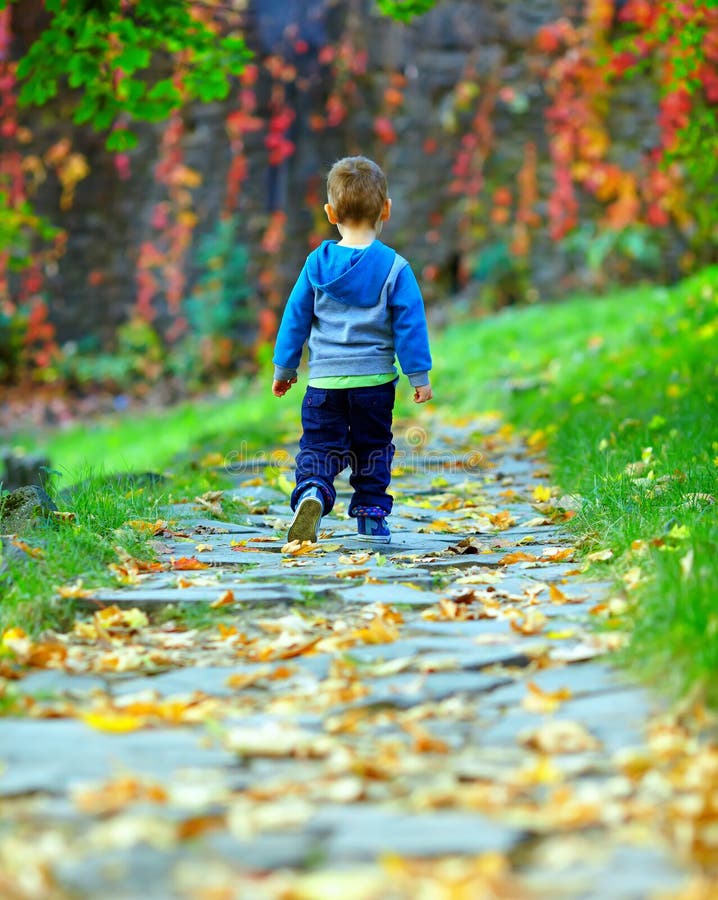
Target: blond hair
357, 190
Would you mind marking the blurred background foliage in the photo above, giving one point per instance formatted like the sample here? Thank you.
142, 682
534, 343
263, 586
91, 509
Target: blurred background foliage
162, 164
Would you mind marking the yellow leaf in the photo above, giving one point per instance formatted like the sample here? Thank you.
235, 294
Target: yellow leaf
541, 493
13, 634
285, 485
113, 722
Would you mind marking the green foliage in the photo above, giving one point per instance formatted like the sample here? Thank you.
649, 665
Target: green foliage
20, 231
139, 355
216, 309
216, 304
638, 244
137, 64
405, 10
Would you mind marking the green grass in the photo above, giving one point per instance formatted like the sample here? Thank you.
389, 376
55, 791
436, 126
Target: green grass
150, 440
58, 553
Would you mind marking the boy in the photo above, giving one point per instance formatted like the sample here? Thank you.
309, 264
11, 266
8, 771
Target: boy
357, 303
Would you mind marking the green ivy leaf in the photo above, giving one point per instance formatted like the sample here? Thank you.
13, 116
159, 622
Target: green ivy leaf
121, 140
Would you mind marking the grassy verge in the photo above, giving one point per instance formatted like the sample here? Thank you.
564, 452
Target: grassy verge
245, 422
626, 391
105, 524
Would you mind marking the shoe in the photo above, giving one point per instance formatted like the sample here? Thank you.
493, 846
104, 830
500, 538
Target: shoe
373, 528
308, 513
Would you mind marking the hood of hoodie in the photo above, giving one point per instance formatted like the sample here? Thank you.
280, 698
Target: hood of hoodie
352, 277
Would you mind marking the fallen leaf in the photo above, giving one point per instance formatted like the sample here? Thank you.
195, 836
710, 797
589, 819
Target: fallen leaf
541, 493
600, 555
532, 622
350, 573
558, 554
501, 520
34, 552
187, 563
146, 527
74, 591
114, 795
559, 736
556, 595
61, 515
299, 548
277, 740
225, 599
516, 556
113, 722
540, 701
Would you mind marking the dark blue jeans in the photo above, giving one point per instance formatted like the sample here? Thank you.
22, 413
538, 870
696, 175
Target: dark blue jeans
347, 427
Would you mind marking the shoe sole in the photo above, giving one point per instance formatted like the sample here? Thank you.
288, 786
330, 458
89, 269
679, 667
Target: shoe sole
305, 523
375, 538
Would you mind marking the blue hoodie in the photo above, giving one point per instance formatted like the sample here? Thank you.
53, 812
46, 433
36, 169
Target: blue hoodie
357, 309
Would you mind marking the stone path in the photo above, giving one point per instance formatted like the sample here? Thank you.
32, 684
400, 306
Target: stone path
359, 722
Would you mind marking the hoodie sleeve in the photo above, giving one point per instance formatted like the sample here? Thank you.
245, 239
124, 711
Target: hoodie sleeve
294, 328
411, 337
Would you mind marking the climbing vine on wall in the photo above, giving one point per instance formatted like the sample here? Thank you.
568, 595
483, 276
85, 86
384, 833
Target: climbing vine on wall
121, 62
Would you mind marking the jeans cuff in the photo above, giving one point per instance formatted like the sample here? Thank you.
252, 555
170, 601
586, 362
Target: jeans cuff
328, 496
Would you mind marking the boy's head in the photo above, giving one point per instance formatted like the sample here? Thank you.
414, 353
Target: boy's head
357, 192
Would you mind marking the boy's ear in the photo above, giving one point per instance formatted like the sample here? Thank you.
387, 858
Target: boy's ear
386, 211
331, 215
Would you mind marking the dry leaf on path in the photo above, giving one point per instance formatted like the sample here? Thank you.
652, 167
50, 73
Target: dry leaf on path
516, 556
225, 599
540, 701
187, 563
559, 736
532, 622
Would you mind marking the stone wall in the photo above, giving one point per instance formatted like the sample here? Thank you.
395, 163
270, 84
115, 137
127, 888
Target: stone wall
94, 287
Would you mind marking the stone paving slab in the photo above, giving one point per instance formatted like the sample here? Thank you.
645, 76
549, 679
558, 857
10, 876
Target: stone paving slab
363, 832
257, 592
79, 754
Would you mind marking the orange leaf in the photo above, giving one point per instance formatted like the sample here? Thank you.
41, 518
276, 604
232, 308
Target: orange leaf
186, 563
224, 599
516, 556
532, 622
35, 552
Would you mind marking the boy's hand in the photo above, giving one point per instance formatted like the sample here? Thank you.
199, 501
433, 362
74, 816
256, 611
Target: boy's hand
280, 388
422, 393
